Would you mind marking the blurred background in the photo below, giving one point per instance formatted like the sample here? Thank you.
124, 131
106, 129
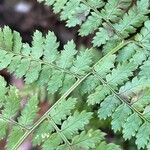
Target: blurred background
26, 16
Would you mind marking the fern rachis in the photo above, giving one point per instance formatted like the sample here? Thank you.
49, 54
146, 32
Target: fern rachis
118, 83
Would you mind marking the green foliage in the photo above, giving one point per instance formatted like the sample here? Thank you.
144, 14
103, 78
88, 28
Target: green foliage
49, 134
133, 19
104, 146
144, 36
117, 86
9, 113
86, 14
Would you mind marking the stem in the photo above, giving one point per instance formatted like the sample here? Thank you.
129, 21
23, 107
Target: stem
13, 121
117, 48
51, 121
140, 45
74, 86
52, 65
122, 44
121, 99
106, 20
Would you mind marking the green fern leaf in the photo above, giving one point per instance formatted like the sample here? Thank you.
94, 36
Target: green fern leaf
42, 133
15, 62
22, 68
127, 52
67, 56
50, 47
115, 9
8, 38
119, 117
145, 69
96, 3
75, 123
58, 5
28, 114
12, 104
144, 36
17, 42
135, 86
99, 94
31, 75
83, 62
68, 81
37, 45
65, 107
101, 37
108, 106
52, 142
44, 75
131, 126
89, 84
3, 128
120, 74
104, 146
87, 140
69, 9
26, 50
142, 135
55, 82
5, 61
13, 137
134, 18
3, 90
90, 25
78, 16
104, 66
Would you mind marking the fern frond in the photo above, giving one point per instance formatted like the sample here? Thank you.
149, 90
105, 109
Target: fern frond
144, 36
134, 19
101, 37
85, 13
118, 83
104, 146
87, 140
91, 24
89, 84
127, 52
145, 72
84, 140
136, 85
115, 18
68, 105
28, 114
107, 108
10, 100
129, 129
48, 134
104, 66
42, 133
99, 94
120, 116
114, 9
13, 137
75, 123
69, 129
44, 62
142, 136
12, 103
52, 142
